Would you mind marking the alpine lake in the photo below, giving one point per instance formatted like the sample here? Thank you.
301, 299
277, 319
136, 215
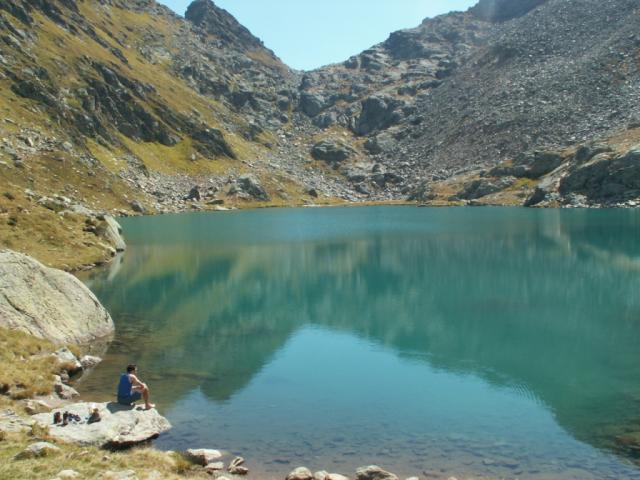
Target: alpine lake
467, 342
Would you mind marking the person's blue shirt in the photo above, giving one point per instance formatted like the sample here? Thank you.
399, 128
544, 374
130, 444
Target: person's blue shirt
125, 386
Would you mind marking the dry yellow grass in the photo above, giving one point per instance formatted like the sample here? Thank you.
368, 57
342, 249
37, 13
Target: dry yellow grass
90, 462
25, 368
24, 361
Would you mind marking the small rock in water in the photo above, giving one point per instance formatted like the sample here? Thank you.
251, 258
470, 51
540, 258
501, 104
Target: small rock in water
89, 361
300, 473
65, 392
236, 468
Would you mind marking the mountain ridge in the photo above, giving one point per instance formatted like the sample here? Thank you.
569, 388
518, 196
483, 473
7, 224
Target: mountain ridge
125, 106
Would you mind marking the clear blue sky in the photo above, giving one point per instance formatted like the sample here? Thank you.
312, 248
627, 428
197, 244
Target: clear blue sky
307, 34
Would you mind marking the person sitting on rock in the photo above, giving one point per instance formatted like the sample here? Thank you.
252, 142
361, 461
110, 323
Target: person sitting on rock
131, 389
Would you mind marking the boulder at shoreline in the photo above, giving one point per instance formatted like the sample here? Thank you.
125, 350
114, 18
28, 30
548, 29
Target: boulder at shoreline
119, 425
48, 303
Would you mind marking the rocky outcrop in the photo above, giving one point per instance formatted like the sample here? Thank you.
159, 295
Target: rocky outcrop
248, 186
119, 426
606, 178
332, 151
483, 187
48, 303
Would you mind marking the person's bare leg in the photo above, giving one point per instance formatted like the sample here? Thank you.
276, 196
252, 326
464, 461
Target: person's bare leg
145, 394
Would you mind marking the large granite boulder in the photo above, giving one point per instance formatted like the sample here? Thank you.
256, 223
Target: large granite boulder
119, 426
48, 303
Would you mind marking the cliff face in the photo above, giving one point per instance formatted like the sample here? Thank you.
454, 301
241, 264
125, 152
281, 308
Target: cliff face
121, 105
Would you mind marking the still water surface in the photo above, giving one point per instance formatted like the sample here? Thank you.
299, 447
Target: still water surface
495, 342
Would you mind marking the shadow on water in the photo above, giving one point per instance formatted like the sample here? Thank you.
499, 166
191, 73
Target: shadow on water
545, 303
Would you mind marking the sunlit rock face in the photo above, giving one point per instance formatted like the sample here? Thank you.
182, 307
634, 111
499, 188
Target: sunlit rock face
48, 303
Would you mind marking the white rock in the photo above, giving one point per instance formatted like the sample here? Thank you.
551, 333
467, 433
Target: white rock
336, 476
68, 474
12, 422
373, 472
36, 406
65, 392
113, 233
118, 426
48, 303
320, 475
37, 450
300, 473
214, 467
89, 361
236, 468
203, 456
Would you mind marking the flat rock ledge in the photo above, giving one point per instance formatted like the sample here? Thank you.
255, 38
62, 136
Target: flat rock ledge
49, 303
119, 426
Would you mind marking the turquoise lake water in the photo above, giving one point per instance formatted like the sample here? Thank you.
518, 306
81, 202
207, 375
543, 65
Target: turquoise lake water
492, 342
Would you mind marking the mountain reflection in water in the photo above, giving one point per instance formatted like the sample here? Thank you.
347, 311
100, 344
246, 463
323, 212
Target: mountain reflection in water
545, 304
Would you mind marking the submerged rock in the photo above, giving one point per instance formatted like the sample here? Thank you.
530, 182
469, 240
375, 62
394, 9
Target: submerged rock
119, 426
48, 303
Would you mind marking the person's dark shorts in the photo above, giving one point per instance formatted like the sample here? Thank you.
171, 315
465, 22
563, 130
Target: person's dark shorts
134, 397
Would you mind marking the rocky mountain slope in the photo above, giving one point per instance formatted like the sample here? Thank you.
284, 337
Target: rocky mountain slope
113, 105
